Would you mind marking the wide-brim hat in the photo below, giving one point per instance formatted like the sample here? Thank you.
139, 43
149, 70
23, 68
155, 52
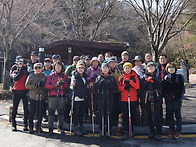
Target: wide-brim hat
94, 59
112, 60
124, 52
127, 64
38, 65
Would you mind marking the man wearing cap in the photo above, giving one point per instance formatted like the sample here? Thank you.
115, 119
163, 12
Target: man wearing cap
125, 58
36, 84
19, 90
87, 62
47, 66
72, 67
116, 73
34, 59
56, 58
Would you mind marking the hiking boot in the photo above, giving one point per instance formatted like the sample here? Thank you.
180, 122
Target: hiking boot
177, 135
101, 135
25, 128
158, 137
61, 130
107, 135
151, 135
31, 131
126, 135
14, 129
171, 133
77, 131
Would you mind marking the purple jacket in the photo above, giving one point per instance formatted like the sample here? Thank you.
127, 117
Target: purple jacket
93, 73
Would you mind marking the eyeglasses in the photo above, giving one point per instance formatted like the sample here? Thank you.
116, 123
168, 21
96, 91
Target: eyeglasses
171, 67
38, 67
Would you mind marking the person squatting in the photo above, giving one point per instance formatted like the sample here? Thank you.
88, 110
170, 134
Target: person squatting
98, 90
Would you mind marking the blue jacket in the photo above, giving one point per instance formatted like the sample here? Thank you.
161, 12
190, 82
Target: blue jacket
159, 70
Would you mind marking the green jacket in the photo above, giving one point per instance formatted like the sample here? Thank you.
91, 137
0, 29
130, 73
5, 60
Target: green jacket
69, 70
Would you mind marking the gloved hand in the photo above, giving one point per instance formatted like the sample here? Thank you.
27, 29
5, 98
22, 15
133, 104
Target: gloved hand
61, 81
126, 82
37, 84
127, 87
149, 79
56, 84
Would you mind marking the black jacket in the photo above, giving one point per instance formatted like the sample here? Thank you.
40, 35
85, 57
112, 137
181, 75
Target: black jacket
80, 88
104, 85
155, 88
173, 86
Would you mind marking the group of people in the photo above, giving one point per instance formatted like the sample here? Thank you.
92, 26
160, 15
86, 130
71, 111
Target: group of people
100, 88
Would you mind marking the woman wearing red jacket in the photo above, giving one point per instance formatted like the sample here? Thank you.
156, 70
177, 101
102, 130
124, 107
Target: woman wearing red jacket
128, 80
57, 84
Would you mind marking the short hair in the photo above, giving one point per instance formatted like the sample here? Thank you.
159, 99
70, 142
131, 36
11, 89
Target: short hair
60, 63
148, 53
163, 55
170, 64
108, 53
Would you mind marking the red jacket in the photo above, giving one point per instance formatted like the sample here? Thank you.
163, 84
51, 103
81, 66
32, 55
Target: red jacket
52, 79
19, 80
135, 85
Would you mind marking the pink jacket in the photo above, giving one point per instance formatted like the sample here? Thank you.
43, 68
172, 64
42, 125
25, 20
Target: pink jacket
52, 79
93, 73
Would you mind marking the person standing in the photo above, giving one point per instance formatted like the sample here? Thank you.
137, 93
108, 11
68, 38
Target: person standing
19, 90
173, 87
153, 86
79, 86
35, 83
57, 83
128, 83
105, 84
161, 67
100, 59
34, 59
47, 66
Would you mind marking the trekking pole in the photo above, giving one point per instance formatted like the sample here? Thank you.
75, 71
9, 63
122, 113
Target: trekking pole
108, 114
92, 107
62, 108
71, 112
102, 115
129, 108
37, 117
55, 110
40, 112
140, 111
152, 103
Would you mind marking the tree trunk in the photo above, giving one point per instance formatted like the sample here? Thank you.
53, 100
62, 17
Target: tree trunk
6, 74
155, 55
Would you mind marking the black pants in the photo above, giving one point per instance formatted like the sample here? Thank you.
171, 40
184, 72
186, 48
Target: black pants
78, 113
126, 114
35, 108
16, 100
104, 108
174, 107
156, 116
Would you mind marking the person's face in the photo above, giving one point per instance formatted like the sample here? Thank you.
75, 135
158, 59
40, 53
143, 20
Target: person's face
138, 63
88, 62
34, 58
105, 70
107, 56
20, 64
80, 69
127, 69
112, 64
101, 58
125, 57
148, 57
171, 70
95, 63
56, 60
58, 68
151, 68
38, 70
75, 62
162, 60
47, 64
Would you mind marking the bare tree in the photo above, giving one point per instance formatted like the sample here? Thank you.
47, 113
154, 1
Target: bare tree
160, 17
86, 16
11, 27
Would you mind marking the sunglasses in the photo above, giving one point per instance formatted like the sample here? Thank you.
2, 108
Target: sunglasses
171, 67
38, 67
